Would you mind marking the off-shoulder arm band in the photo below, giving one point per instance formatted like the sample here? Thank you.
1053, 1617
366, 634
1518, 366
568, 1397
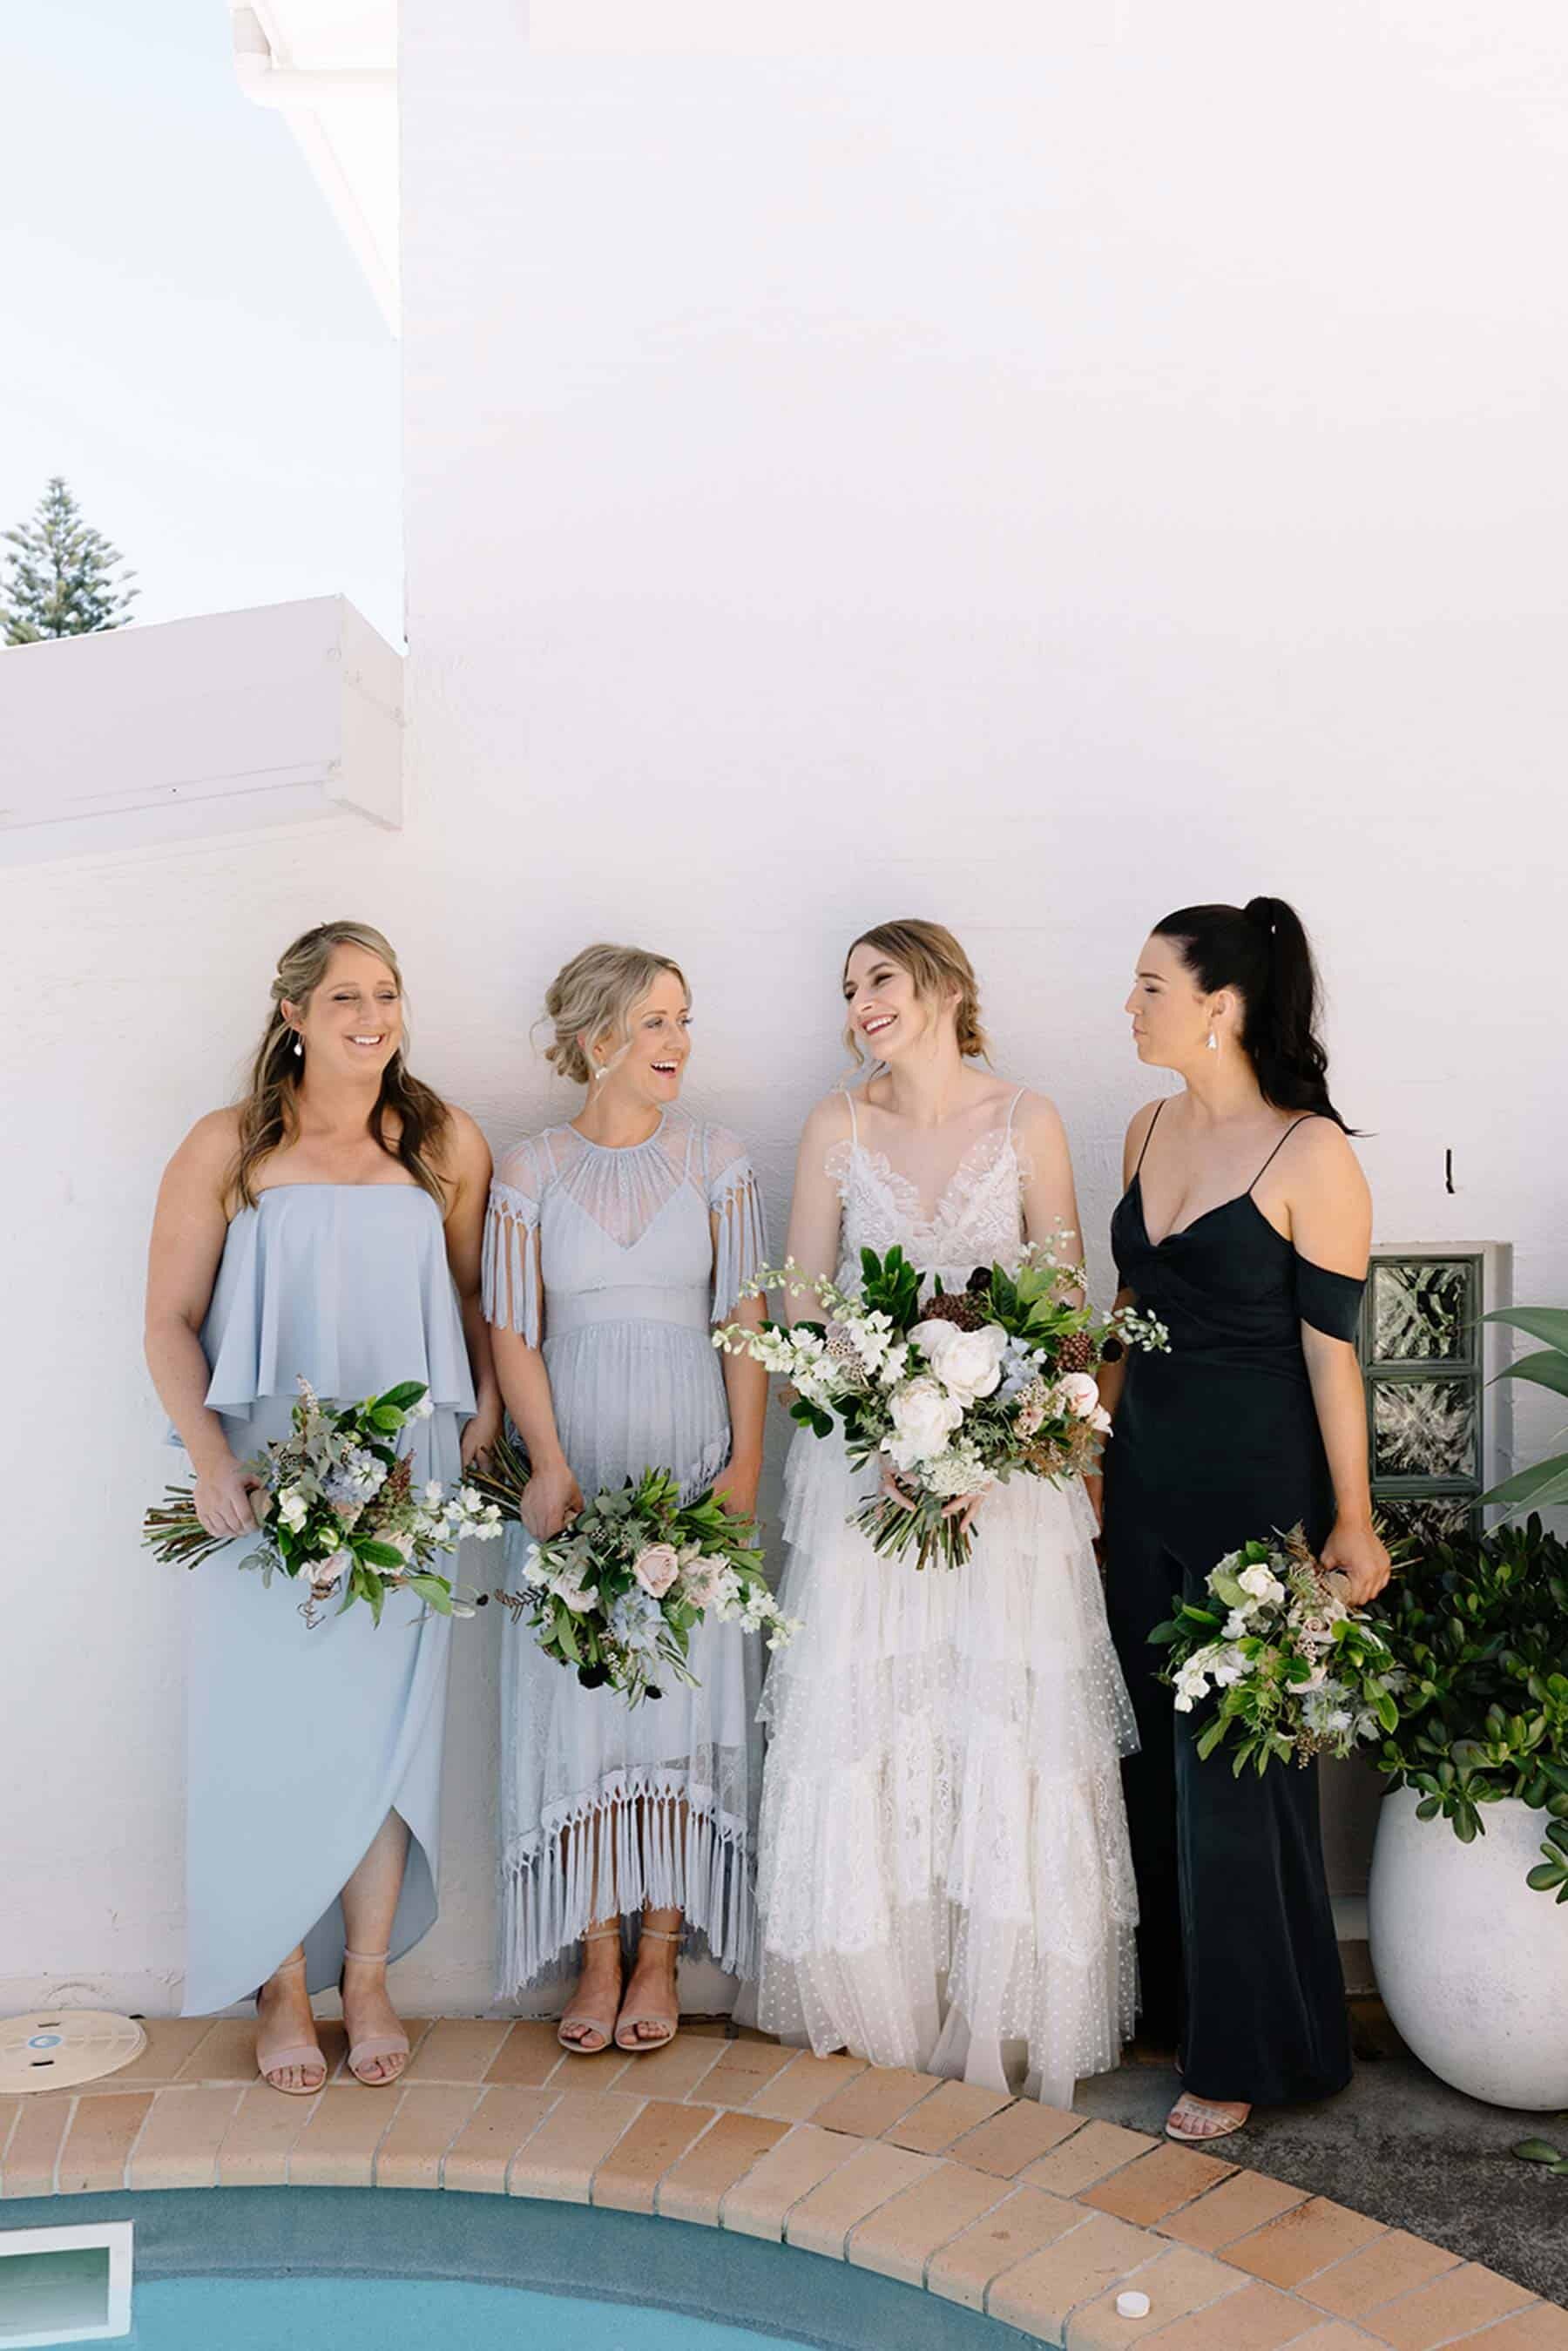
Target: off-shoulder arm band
1331, 1302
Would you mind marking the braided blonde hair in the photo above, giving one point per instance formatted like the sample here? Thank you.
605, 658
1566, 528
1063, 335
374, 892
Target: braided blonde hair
937, 965
599, 990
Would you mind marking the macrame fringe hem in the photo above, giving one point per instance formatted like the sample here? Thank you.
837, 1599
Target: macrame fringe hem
641, 1846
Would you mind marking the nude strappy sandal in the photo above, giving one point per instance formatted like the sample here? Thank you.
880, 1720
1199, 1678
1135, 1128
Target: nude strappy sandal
633, 2047
375, 2045
1223, 2126
596, 2022
297, 2052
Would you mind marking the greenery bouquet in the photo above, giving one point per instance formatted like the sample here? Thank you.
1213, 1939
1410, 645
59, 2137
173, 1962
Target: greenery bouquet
338, 1511
956, 1394
617, 1594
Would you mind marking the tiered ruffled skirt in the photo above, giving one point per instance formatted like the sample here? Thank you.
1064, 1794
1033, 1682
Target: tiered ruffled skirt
944, 1880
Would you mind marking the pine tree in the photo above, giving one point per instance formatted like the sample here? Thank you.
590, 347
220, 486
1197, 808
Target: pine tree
61, 579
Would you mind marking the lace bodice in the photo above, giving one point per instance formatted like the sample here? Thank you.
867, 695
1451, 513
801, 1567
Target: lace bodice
570, 1219
976, 1218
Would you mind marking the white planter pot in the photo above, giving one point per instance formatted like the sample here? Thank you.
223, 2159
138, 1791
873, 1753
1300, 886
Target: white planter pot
1472, 1964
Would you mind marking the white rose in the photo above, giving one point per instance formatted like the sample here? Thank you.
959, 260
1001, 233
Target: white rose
1228, 1668
967, 1363
1077, 1394
924, 1418
293, 1509
578, 1598
1260, 1583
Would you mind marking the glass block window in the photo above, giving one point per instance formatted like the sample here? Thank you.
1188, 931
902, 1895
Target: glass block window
1421, 1350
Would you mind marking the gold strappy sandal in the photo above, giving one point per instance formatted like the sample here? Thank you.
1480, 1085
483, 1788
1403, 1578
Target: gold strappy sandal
633, 2047
595, 2020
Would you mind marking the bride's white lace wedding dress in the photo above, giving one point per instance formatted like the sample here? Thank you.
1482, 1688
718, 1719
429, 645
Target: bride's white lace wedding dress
944, 1880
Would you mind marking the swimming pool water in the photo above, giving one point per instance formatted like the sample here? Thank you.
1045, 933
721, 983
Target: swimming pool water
217, 2314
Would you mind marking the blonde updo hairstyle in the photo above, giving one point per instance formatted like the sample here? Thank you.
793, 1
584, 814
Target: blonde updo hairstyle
268, 1115
597, 992
939, 968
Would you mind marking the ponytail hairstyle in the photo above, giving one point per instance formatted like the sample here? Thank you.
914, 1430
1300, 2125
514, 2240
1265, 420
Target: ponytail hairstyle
268, 1114
939, 968
1261, 951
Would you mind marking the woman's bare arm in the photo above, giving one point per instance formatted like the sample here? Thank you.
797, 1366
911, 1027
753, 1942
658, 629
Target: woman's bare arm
190, 1226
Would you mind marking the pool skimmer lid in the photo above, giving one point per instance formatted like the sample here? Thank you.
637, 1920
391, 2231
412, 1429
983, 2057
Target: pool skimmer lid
60, 2048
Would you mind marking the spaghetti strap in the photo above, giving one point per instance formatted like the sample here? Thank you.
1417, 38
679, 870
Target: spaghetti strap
1279, 1147
1148, 1139
854, 1123
1013, 1105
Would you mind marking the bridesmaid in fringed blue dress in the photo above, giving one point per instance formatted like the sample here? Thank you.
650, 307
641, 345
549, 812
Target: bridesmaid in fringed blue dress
330, 1228
616, 1241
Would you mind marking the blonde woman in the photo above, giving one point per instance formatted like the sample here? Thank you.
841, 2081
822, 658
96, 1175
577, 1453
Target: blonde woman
945, 1881
616, 1240
328, 1227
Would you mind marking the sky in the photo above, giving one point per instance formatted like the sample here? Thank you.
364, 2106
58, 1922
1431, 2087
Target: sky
185, 335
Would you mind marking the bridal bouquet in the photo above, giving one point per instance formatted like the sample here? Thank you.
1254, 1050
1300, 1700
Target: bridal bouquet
616, 1593
958, 1393
338, 1509
1297, 1671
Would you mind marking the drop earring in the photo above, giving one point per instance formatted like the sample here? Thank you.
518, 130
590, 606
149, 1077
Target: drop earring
299, 1046
1213, 1042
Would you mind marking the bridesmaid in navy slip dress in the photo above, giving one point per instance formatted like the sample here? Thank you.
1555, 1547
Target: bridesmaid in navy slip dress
1244, 1227
328, 1226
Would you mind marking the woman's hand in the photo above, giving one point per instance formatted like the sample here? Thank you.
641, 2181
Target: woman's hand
1356, 1553
736, 1488
221, 1500
962, 1506
551, 1499
479, 1434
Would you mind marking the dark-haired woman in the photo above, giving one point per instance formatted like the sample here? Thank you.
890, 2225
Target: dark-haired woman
1245, 1226
328, 1227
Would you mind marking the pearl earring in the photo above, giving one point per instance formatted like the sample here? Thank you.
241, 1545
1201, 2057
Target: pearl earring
1213, 1042
299, 1046
600, 1076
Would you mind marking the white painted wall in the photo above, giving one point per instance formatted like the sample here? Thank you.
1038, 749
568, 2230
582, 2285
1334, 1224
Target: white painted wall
1032, 490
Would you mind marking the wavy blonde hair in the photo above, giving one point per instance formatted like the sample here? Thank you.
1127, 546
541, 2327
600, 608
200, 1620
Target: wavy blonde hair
600, 989
937, 965
268, 1115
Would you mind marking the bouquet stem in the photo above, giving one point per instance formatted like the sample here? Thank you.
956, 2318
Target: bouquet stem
892, 1531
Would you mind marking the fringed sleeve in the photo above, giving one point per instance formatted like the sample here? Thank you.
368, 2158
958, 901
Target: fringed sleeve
1331, 1302
509, 1269
740, 1249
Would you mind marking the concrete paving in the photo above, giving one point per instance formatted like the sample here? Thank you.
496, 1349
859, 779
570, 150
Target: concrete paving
1398, 2145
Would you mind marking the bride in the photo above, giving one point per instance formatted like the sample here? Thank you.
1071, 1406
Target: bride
944, 1878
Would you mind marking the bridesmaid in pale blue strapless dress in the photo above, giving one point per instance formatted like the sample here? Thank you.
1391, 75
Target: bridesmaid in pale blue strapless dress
330, 1229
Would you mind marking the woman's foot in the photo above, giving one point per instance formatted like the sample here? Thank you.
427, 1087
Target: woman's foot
651, 2012
288, 2053
1196, 2120
378, 2045
589, 2024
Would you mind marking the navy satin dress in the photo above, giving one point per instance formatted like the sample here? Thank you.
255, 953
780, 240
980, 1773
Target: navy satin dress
1217, 1443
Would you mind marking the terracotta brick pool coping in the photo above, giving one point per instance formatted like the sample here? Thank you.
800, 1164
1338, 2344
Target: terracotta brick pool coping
1035, 2216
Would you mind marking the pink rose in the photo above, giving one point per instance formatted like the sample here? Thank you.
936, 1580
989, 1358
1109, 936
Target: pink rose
656, 1568
703, 1581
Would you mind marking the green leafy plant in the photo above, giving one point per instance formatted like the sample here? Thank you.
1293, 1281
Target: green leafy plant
1479, 1631
1545, 1482
1540, 2150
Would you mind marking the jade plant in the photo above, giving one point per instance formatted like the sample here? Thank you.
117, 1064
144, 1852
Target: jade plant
1480, 1630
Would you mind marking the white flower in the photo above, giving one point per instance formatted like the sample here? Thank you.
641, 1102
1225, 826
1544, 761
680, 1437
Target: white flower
1262, 1583
435, 1491
924, 1418
1230, 1666
579, 1598
293, 1509
422, 1410
1237, 1624
1078, 1395
967, 1363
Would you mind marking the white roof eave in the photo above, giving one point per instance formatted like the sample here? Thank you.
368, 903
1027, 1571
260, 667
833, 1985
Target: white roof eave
329, 67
